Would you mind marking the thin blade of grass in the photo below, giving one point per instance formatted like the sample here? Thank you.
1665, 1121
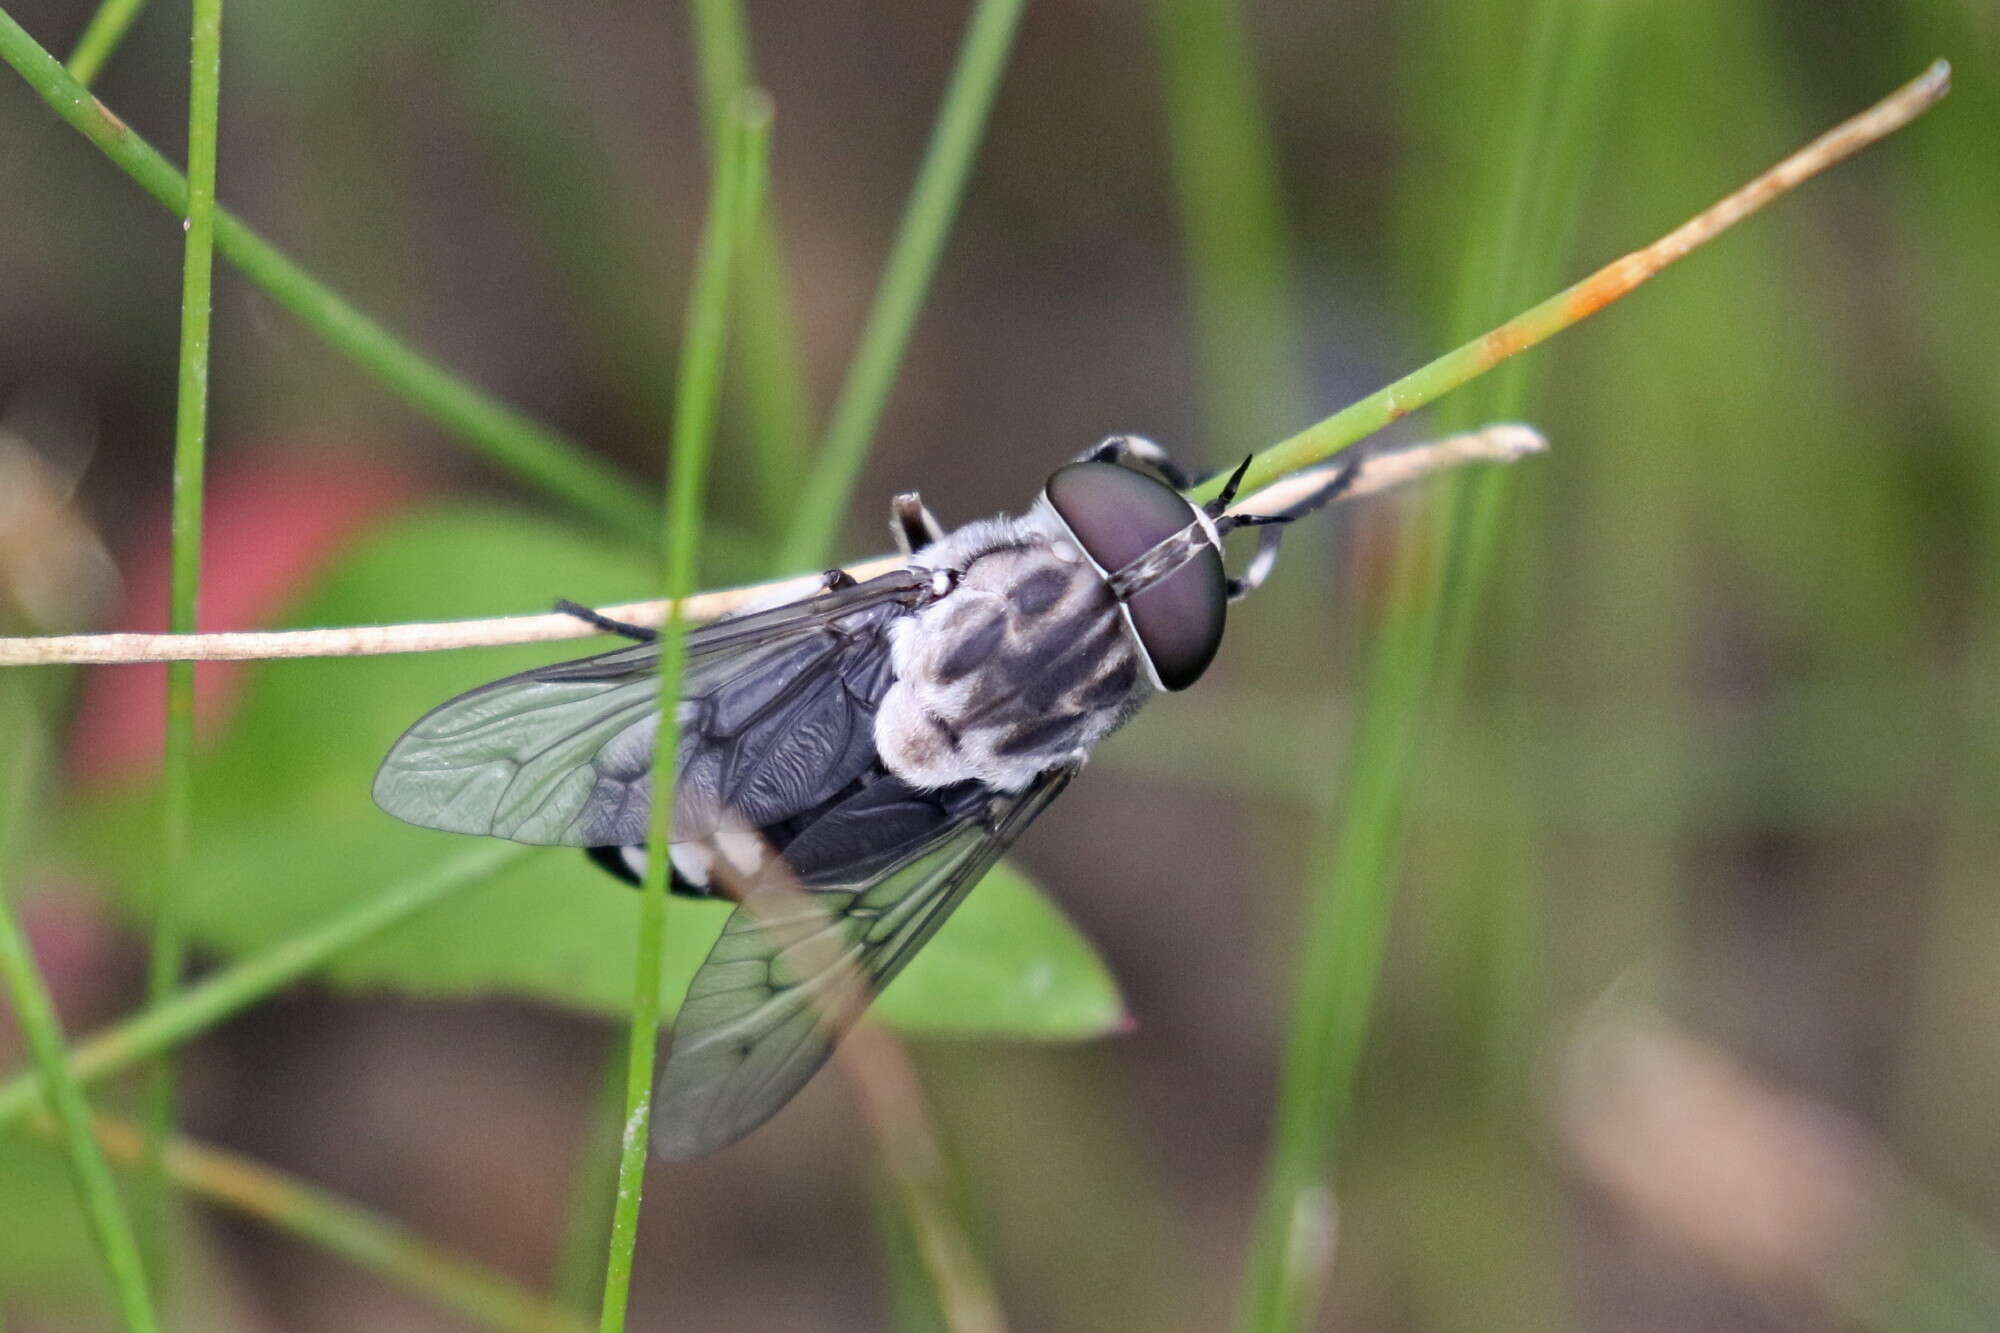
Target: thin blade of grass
168, 958
319, 1217
1516, 236
101, 37
771, 378
735, 193
1226, 184
197, 1008
579, 1268
906, 277
1523, 231
110, 1227
1954, 196
1377, 471
1347, 919
565, 180
34, 1013
907, 1146
1536, 324
529, 451
912, 1296
772, 382
769, 356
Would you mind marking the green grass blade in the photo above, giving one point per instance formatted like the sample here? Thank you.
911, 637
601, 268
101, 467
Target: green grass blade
169, 945
1514, 236
101, 37
772, 383
1345, 927
1947, 209
951, 1274
197, 1008
565, 181
722, 57
579, 1268
1584, 298
529, 451
1517, 253
35, 1015
1532, 204
1356, 858
771, 377
772, 380
912, 1296
110, 1227
906, 277
734, 195
1226, 182
341, 1227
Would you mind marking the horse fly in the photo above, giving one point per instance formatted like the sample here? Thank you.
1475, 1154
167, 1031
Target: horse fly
877, 744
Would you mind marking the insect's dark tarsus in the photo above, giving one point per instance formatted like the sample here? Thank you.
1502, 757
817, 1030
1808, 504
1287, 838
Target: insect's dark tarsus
850, 763
636, 633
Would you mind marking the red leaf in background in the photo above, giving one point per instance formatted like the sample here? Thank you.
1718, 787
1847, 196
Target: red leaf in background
273, 520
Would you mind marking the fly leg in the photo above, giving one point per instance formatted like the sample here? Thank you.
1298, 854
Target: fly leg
1335, 480
912, 524
1137, 448
1260, 566
1339, 477
636, 633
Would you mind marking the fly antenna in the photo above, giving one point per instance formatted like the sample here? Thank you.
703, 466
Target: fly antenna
1221, 502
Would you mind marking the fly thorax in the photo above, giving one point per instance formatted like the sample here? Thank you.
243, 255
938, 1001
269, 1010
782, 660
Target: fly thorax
1025, 665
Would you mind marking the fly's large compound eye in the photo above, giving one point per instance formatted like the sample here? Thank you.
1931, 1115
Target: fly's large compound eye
1117, 515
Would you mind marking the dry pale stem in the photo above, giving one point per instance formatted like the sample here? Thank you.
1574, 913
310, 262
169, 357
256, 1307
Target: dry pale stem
1379, 471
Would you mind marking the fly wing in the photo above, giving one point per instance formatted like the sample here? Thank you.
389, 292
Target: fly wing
793, 969
777, 714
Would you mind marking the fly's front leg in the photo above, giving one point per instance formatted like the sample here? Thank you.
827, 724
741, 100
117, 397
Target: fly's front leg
913, 526
1336, 480
636, 633
1260, 567
1137, 448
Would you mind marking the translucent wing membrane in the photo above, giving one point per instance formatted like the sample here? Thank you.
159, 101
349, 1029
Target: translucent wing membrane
777, 754
794, 969
777, 716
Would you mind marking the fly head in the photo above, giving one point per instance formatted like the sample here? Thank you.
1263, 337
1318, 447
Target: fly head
1161, 556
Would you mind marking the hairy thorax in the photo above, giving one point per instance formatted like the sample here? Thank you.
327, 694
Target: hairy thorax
1024, 666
